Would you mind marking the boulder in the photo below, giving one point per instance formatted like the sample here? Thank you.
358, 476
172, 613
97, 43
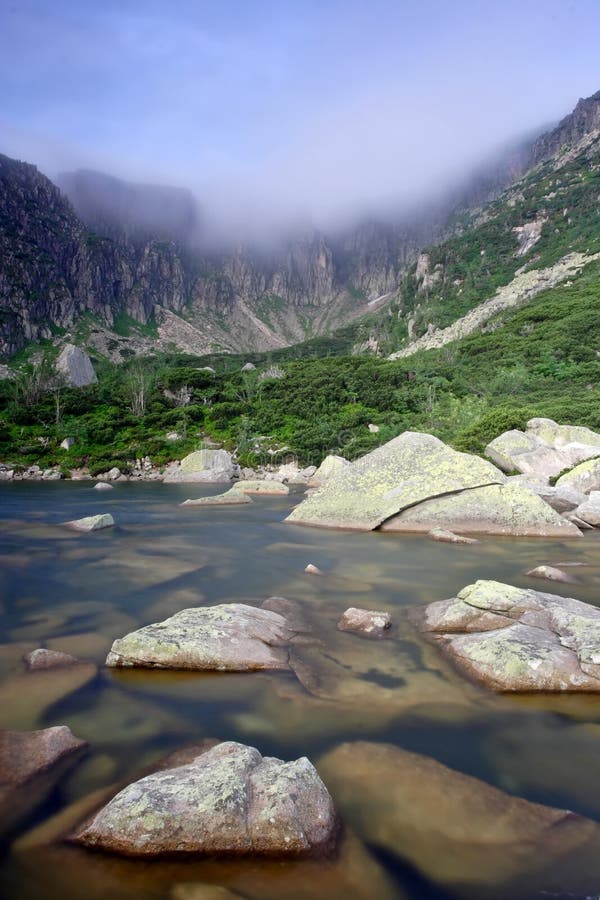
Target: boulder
590, 510
228, 800
262, 487
290, 610
544, 449
103, 486
448, 537
313, 570
416, 483
231, 636
248, 367
91, 523
407, 470
492, 509
563, 498
76, 367
456, 830
232, 497
514, 639
550, 573
365, 621
330, 466
583, 479
204, 466
31, 763
48, 659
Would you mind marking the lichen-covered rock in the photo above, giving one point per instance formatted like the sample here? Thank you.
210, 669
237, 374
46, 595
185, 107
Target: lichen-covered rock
563, 435
75, 366
584, 478
48, 659
207, 466
31, 762
407, 470
262, 487
92, 523
231, 636
544, 449
365, 621
513, 639
229, 800
563, 499
330, 466
491, 509
459, 831
232, 497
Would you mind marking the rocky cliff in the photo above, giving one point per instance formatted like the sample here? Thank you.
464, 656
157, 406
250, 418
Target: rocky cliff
114, 250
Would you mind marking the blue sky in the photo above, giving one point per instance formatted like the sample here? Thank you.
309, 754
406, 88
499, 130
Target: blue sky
320, 108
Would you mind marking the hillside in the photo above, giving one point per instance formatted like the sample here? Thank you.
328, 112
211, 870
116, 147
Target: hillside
128, 269
506, 250
504, 322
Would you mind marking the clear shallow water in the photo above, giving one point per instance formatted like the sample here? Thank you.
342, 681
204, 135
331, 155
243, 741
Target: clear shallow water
78, 592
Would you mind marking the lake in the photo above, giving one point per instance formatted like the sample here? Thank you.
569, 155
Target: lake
78, 592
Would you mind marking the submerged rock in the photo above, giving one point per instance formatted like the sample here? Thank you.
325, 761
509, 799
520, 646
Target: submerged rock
228, 800
313, 570
453, 828
91, 523
31, 762
513, 639
550, 573
231, 636
48, 659
365, 621
103, 486
25, 697
448, 537
197, 891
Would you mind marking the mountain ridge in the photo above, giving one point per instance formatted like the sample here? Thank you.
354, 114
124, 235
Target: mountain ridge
57, 272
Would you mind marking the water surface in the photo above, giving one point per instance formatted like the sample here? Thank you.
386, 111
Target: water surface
78, 592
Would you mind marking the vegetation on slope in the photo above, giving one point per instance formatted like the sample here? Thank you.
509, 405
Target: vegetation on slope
540, 360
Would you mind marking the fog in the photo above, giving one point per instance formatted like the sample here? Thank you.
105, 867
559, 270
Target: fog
297, 114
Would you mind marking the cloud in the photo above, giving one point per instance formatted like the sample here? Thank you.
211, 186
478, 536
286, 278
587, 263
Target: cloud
275, 112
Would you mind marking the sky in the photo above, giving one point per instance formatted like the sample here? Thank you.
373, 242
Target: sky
275, 110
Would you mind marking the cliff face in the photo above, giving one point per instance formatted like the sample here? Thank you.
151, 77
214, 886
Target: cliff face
584, 120
127, 250
54, 268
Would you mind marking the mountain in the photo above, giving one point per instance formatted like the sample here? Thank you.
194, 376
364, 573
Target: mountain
115, 208
123, 268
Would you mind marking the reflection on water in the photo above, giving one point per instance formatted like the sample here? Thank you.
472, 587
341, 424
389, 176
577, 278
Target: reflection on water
76, 593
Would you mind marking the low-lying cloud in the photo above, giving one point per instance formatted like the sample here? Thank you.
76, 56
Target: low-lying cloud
289, 113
